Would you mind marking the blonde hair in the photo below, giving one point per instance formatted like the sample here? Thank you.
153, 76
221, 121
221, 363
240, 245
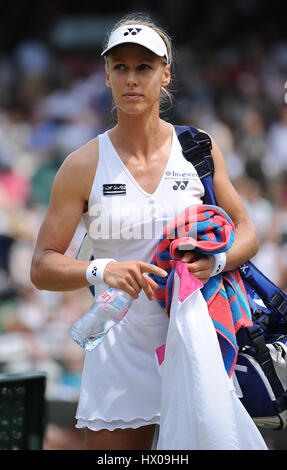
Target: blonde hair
166, 97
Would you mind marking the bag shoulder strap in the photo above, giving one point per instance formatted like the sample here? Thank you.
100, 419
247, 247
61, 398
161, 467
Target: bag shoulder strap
196, 148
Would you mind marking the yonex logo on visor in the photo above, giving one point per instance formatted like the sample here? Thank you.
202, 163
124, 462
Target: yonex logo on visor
132, 31
138, 34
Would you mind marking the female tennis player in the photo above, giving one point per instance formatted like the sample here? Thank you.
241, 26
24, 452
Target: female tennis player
126, 184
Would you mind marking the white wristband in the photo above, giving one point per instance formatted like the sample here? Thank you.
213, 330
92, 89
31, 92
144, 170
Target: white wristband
95, 270
219, 264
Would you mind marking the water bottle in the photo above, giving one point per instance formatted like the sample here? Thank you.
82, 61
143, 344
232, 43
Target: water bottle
109, 308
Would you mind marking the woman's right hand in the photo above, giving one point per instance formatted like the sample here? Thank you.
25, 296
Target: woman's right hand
130, 277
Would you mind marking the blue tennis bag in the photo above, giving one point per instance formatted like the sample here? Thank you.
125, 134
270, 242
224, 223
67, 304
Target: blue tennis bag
261, 368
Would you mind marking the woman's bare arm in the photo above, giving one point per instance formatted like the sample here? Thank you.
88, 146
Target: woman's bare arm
246, 242
51, 269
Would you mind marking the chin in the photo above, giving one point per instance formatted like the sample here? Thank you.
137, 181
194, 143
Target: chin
136, 109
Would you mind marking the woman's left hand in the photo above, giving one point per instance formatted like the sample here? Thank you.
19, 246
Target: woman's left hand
201, 267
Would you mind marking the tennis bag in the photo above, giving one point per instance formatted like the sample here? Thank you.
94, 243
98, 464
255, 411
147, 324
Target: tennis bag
261, 368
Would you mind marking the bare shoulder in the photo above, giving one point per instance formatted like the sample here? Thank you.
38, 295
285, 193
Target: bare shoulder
79, 167
84, 158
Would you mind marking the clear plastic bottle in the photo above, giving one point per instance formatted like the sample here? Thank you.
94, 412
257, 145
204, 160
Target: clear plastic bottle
109, 308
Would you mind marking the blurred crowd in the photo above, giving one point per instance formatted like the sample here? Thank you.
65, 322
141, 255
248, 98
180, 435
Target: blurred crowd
50, 104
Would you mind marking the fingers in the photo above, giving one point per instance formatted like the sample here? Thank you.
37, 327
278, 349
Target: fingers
201, 268
189, 256
152, 283
142, 280
131, 277
133, 286
151, 268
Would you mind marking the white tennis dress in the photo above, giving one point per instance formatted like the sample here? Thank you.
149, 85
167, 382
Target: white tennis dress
120, 385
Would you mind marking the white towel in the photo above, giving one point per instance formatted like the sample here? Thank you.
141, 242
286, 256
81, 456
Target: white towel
200, 409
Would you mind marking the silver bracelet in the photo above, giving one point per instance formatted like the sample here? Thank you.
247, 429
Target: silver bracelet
95, 270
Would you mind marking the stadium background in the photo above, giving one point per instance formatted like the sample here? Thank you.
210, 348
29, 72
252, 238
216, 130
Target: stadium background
230, 79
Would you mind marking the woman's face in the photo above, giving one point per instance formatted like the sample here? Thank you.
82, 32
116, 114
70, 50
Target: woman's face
136, 76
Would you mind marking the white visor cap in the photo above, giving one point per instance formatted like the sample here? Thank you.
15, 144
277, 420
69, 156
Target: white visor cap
138, 34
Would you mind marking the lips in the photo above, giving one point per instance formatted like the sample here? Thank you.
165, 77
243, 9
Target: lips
132, 94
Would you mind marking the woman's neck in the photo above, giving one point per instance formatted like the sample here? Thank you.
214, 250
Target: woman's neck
140, 135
